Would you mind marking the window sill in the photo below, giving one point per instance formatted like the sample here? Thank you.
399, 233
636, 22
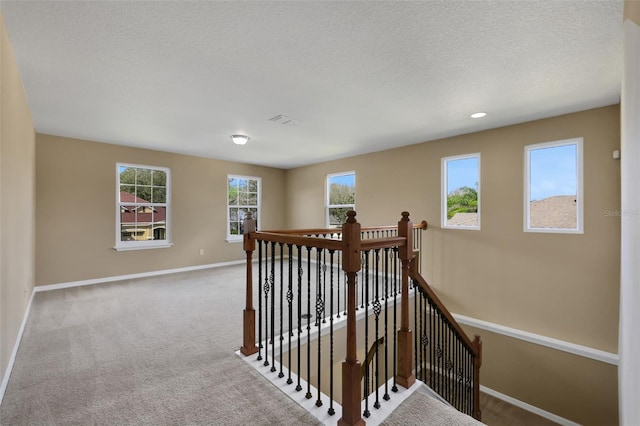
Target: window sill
142, 247
234, 240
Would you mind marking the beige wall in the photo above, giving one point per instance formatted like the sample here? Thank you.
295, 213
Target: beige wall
558, 285
17, 201
632, 10
76, 183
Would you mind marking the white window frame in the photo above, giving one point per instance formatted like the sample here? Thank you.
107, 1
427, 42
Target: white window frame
147, 244
444, 192
327, 190
579, 186
238, 238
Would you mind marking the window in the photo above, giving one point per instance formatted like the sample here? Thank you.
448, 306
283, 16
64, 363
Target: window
341, 197
461, 192
243, 195
553, 187
142, 207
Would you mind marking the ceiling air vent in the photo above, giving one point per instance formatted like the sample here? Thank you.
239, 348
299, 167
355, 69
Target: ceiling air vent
284, 120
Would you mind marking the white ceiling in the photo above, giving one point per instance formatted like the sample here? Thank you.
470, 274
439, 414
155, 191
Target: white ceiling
358, 76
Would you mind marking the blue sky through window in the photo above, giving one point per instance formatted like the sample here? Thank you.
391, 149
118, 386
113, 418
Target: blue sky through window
349, 180
462, 172
553, 171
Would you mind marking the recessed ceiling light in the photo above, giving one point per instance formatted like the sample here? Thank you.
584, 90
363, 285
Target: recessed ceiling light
478, 114
240, 139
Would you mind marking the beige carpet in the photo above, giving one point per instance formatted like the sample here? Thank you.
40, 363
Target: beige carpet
157, 351
420, 409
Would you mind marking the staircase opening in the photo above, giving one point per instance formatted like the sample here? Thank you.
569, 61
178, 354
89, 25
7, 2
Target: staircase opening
344, 317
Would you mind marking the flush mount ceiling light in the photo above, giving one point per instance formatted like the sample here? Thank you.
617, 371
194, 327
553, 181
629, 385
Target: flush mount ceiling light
240, 139
478, 115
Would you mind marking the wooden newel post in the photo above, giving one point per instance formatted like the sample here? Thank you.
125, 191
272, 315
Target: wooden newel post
249, 314
351, 380
477, 363
405, 376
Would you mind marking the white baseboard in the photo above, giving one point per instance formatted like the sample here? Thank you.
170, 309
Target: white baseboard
12, 359
528, 407
538, 339
133, 276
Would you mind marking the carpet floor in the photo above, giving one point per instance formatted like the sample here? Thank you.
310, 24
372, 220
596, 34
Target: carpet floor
156, 351
148, 351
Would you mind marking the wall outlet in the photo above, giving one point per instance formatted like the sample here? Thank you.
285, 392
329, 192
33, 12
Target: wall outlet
201, 252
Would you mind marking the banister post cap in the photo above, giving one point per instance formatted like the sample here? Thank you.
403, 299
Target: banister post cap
351, 216
405, 216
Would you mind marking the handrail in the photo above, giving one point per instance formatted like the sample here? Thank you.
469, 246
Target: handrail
475, 346
380, 243
320, 231
419, 280
325, 243
352, 246
368, 359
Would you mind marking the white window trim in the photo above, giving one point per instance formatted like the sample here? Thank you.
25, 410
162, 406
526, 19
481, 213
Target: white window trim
579, 186
445, 193
143, 245
239, 238
327, 192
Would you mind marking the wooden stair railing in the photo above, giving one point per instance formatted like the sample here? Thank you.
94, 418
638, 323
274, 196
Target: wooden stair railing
352, 242
452, 387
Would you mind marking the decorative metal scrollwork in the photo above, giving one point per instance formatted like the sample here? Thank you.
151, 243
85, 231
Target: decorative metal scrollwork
439, 352
424, 340
377, 307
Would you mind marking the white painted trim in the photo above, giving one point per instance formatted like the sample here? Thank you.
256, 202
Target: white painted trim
538, 339
12, 359
629, 331
320, 413
535, 410
133, 276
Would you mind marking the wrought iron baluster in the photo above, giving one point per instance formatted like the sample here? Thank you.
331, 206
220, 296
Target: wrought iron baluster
290, 303
470, 381
319, 312
439, 355
324, 283
300, 272
377, 308
308, 394
259, 300
448, 361
362, 290
267, 288
272, 281
416, 335
338, 276
280, 245
386, 396
331, 410
433, 322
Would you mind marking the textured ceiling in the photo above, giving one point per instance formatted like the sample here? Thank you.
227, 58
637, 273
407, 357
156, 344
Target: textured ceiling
358, 76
